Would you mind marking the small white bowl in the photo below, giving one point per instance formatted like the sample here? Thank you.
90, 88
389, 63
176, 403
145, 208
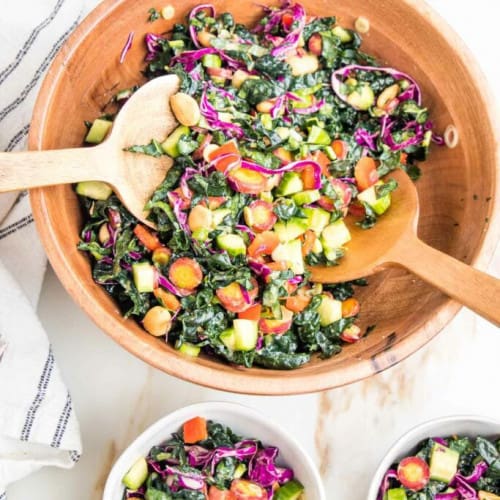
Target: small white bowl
244, 421
464, 425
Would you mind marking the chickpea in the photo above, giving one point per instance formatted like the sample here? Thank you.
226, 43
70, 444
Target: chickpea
157, 321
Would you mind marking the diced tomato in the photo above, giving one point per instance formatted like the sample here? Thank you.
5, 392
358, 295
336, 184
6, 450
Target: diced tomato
248, 490
215, 494
365, 173
323, 160
287, 21
195, 430
315, 44
277, 326
147, 238
351, 334
284, 155
198, 153
326, 203
228, 154
185, 273
263, 244
259, 215
252, 313
308, 243
167, 299
340, 149
232, 297
413, 473
357, 210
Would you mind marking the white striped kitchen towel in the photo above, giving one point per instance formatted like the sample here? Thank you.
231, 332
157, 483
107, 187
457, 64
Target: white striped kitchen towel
37, 422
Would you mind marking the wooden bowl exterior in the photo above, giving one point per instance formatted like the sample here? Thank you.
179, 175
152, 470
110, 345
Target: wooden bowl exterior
458, 188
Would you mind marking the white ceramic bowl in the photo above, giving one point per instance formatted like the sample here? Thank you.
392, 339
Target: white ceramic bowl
243, 421
466, 425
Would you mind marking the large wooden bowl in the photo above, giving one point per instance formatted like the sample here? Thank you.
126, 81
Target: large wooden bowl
457, 191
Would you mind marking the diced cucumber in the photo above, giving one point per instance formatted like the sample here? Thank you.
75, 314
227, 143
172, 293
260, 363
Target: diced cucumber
289, 491
291, 253
266, 196
176, 44
239, 471
330, 310
98, 131
344, 35
219, 215
144, 276
317, 218
379, 205
96, 190
228, 338
283, 132
246, 334
396, 494
443, 463
232, 243
211, 61
363, 98
290, 184
136, 475
189, 349
291, 229
267, 121
308, 196
318, 135
335, 235
201, 234
294, 139
330, 153
317, 246
305, 101
169, 145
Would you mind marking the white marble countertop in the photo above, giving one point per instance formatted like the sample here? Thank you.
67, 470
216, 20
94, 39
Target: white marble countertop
346, 430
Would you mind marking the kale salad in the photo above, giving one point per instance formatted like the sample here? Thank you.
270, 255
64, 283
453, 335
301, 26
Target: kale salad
452, 468
207, 461
285, 128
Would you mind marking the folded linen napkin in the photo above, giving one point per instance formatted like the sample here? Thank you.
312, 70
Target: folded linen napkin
37, 423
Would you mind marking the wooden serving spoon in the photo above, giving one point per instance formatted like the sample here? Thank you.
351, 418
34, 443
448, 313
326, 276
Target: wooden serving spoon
133, 177
393, 241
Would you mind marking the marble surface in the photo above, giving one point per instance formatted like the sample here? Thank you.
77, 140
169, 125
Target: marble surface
346, 430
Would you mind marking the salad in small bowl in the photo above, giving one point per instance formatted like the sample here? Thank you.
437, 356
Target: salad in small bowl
214, 451
450, 458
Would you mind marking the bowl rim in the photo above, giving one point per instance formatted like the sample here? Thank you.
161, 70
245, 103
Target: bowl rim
237, 409
408, 437
243, 380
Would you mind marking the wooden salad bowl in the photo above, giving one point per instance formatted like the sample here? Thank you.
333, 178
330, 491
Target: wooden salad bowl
459, 204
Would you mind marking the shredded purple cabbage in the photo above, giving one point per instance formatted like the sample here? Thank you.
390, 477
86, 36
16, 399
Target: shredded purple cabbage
264, 471
365, 138
310, 109
126, 47
386, 482
192, 30
346, 70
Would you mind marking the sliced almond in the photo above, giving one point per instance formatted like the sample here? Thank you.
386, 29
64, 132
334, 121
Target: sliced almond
185, 109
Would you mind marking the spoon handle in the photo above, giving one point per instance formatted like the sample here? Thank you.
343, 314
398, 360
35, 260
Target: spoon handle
29, 169
474, 289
